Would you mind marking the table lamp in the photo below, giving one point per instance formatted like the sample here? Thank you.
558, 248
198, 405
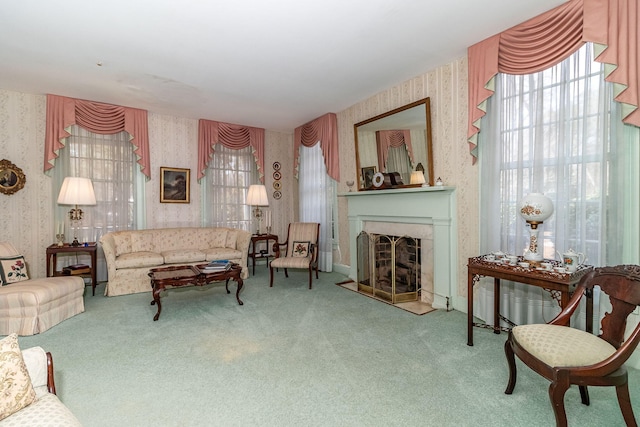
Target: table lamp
76, 191
535, 208
257, 196
417, 177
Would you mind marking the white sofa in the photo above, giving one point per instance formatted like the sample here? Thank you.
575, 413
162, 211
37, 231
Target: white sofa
131, 254
30, 307
47, 410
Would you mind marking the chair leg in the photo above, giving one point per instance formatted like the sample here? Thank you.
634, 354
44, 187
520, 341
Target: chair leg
316, 271
270, 277
310, 276
584, 394
286, 273
511, 361
622, 391
556, 394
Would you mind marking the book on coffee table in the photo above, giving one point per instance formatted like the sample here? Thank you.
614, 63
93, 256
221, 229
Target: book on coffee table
222, 265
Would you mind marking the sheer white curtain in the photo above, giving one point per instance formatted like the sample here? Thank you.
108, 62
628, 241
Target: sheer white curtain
398, 161
224, 189
553, 132
110, 163
317, 193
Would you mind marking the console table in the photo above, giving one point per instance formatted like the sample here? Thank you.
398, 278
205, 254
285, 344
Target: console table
265, 253
52, 257
561, 285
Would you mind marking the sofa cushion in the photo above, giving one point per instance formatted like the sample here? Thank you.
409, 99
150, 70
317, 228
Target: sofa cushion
232, 238
139, 259
217, 238
142, 242
16, 391
47, 411
13, 269
215, 254
182, 256
122, 242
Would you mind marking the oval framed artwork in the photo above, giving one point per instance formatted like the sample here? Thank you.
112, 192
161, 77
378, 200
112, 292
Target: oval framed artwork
277, 175
12, 178
277, 195
276, 166
277, 185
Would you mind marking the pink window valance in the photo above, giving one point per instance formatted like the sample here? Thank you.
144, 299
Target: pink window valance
232, 136
551, 37
395, 139
62, 112
324, 130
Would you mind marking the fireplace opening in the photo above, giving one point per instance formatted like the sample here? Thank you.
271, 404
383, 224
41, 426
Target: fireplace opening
389, 267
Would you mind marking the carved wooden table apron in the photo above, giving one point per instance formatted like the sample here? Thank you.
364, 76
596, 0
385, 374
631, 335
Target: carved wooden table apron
560, 285
190, 275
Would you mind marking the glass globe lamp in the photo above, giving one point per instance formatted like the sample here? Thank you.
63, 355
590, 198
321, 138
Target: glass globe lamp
535, 208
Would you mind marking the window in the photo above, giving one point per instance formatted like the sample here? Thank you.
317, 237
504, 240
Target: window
229, 174
317, 193
551, 132
109, 161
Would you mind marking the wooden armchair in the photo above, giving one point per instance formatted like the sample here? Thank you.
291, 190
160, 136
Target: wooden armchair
300, 250
567, 356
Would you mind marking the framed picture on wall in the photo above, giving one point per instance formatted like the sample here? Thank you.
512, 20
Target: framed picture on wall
174, 185
367, 175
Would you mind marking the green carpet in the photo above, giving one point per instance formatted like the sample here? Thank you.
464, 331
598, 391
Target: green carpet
291, 356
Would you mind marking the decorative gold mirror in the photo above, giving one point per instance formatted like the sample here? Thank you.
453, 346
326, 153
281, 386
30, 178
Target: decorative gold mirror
396, 142
12, 178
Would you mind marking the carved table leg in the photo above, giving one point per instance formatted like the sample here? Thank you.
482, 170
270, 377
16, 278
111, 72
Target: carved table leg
240, 283
156, 301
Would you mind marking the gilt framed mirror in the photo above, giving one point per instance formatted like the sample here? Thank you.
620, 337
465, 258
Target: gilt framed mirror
397, 141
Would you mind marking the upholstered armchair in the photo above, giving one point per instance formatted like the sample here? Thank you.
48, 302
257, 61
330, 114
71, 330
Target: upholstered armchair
567, 356
300, 250
30, 306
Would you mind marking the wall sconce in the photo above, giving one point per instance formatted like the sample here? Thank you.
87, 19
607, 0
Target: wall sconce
76, 191
257, 196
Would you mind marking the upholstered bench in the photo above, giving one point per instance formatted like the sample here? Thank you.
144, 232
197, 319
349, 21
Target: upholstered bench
31, 306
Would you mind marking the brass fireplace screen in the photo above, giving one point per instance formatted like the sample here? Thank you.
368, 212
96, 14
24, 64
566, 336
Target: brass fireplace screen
389, 267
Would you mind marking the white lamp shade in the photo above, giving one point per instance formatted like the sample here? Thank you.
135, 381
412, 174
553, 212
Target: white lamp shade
257, 196
77, 191
417, 177
536, 207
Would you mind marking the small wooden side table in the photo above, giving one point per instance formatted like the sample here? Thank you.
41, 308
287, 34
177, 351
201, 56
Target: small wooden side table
265, 253
560, 285
54, 250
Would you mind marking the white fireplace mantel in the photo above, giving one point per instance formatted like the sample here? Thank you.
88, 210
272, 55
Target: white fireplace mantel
420, 205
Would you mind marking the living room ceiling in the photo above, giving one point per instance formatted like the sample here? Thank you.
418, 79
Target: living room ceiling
274, 65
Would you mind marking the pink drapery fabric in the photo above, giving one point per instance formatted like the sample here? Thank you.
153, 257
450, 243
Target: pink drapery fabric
324, 129
550, 38
395, 139
96, 117
231, 136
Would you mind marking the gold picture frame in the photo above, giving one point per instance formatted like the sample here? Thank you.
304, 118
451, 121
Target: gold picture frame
12, 178
174, 185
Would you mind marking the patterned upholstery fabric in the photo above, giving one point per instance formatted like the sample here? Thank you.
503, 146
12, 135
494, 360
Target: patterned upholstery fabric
32, 306
47, 410
139, 259
298, 232
562, 346
16, 391
128, 271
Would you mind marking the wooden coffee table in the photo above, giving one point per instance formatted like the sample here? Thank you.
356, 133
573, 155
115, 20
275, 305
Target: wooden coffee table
190, 275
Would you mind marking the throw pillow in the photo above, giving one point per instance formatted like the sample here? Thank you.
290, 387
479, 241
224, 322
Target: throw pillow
300, 249
16, 391
13, 269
